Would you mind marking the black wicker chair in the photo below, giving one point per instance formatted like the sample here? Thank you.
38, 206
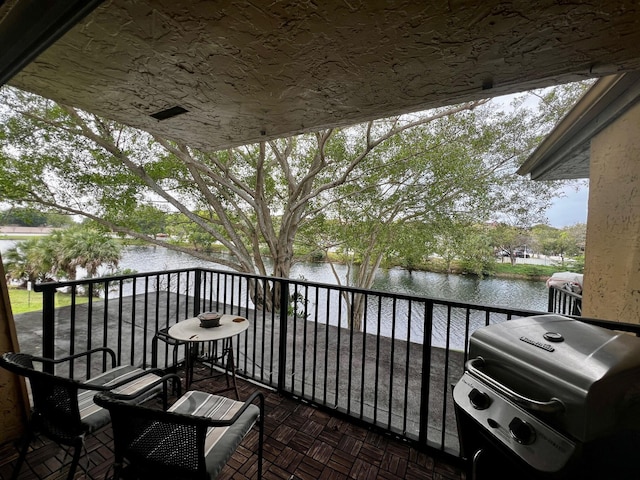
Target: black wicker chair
209, 353
163, 335
63, 408
193, 439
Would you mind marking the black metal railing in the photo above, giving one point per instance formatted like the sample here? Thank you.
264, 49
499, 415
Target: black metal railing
564, 302
382, 359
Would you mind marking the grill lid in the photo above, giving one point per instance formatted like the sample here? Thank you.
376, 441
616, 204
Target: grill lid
594, 372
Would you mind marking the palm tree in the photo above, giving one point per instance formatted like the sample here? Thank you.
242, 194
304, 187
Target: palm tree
61, 253
29, 261
89, 249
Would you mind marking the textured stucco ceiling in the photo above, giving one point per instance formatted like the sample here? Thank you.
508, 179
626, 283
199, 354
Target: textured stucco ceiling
248, 71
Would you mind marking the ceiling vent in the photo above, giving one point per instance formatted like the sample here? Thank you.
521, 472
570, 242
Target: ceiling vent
169, 113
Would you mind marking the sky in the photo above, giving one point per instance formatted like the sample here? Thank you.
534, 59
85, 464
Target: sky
569, 209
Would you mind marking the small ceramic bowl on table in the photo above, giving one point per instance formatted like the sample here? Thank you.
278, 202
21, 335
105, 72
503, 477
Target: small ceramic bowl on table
209, 319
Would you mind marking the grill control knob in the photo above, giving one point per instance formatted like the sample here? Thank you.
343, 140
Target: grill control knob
479, 400
522, 432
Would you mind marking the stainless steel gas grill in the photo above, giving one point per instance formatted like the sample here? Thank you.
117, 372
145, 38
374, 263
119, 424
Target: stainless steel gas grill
550, 397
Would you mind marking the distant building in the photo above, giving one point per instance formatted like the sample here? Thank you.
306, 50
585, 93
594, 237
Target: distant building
19, 230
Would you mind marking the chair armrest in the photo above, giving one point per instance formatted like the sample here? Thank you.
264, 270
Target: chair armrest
163, 334
234, 419
162, 380
87, 385
53, 361
110, 401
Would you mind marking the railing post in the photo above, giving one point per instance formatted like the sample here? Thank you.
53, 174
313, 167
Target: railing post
282, 341
426, 373
564, 302
48, 326
551, 296
196, 291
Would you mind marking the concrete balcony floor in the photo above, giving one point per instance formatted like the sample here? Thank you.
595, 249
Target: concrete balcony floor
301, 443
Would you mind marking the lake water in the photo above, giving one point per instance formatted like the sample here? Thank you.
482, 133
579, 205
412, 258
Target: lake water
502, 292
505, 292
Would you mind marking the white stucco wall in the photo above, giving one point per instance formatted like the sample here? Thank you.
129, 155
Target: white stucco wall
612, 269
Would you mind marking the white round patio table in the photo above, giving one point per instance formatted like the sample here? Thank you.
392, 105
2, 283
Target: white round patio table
190, 331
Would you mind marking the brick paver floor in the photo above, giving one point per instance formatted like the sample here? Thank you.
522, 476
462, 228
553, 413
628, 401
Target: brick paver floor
301, 443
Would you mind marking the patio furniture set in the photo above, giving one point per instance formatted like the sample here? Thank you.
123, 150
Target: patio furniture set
192, 438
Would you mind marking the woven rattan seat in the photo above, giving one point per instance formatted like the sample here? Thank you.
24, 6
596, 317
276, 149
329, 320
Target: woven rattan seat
63, 408
193, 439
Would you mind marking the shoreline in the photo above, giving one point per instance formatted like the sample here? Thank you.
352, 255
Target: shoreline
522, 271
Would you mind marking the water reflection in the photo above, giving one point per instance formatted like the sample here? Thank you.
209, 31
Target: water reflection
505, 292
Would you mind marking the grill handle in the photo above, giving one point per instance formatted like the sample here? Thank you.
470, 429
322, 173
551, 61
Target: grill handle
554, 405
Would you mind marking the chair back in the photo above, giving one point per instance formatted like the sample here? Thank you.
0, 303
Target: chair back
55, 399
155, 442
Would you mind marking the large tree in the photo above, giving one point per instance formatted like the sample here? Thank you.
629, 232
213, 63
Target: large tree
448, 174
249, 199
430, 175
255, 199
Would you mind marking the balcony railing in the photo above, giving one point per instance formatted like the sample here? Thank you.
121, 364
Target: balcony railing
394, 373
564, 302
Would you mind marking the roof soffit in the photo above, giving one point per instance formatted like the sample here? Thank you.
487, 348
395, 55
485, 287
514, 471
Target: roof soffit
565, 152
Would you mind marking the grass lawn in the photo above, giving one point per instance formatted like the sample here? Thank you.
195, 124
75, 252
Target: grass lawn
23, 301
525, 269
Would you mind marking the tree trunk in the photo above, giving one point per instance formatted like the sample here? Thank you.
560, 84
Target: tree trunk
356, 307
